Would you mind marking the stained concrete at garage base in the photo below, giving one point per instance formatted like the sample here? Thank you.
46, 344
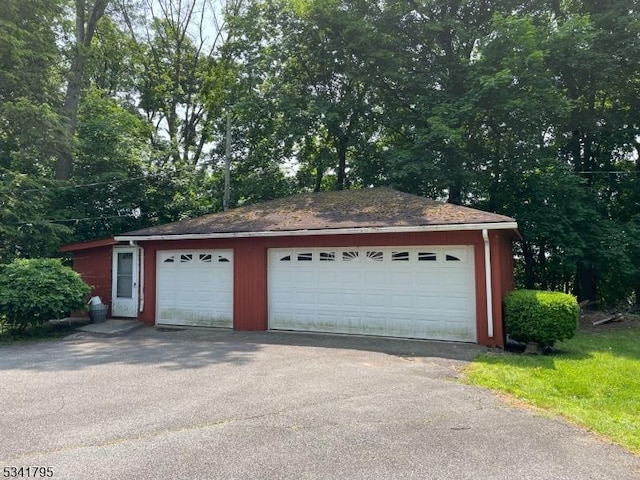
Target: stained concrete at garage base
219, 404
111, 327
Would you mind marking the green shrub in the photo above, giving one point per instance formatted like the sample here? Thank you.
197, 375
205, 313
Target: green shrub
37, 290
541, 317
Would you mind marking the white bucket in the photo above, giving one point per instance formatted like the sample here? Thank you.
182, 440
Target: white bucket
95, 301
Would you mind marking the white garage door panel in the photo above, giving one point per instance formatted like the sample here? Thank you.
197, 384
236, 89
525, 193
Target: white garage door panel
195, 288
412, 292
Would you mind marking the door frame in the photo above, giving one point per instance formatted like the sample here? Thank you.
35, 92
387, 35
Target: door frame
125, 307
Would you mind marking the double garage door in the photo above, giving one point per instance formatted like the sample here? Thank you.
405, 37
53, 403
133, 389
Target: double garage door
411, 292
417, 292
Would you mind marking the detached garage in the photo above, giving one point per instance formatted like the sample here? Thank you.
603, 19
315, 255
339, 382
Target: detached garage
366, 262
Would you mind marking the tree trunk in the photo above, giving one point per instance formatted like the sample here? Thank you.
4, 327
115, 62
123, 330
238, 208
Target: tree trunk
529, 266
71, 104
542, 261
455, 192
227, 166
586, 281
85, 30
341, 150
319, 175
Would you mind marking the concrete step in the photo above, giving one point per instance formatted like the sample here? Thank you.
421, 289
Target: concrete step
111, 326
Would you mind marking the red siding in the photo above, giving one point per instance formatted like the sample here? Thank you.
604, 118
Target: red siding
148, 306
74, 247
498, 285
94, 266
250, 269
250, 287
505, 273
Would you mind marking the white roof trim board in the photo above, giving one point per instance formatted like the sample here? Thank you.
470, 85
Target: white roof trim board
328, 231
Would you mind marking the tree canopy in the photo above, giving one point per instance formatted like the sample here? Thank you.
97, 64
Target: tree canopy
114, 115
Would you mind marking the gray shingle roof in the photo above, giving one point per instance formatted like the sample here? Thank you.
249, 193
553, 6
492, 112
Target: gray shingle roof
366, 208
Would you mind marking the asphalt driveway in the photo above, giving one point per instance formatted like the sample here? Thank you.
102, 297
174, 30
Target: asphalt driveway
216, 404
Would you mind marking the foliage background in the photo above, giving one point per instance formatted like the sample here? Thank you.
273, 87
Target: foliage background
522, 107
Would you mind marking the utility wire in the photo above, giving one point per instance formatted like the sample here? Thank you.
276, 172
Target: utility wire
94, 184
91, 184
67, 220
609, 172
168, 175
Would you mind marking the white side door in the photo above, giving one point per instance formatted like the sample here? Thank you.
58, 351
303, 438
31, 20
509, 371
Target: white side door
124, 298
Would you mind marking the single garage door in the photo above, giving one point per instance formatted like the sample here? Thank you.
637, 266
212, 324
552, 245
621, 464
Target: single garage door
195, 288
417, 292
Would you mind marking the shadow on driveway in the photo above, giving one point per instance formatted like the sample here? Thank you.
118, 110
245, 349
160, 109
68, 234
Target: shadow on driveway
391, 346
197, 348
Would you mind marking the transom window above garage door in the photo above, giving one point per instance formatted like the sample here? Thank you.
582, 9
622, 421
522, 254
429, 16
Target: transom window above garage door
426, 255
195, 257
195, 288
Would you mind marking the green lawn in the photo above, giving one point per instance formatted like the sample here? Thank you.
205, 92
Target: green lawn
593, 380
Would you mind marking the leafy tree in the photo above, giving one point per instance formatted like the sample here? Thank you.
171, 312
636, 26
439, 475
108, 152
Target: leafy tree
110, 182
523, 108
28, 52
515, 109
114, 63
25, 214
87, 15
594, 58
425, 80
31, 128
178, 191
303, 64
183, 73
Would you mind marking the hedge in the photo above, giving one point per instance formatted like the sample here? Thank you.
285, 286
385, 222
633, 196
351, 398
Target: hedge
540, 316
33, 291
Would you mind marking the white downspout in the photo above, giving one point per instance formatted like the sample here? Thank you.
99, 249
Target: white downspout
487, 272
140, 292
141, 270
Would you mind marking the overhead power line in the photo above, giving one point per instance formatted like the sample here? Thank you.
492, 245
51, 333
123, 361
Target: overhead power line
609, 172
45, 188
93, 184
70, 220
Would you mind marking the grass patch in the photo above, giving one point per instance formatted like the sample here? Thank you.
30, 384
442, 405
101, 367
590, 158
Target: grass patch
47, 331
592, 380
